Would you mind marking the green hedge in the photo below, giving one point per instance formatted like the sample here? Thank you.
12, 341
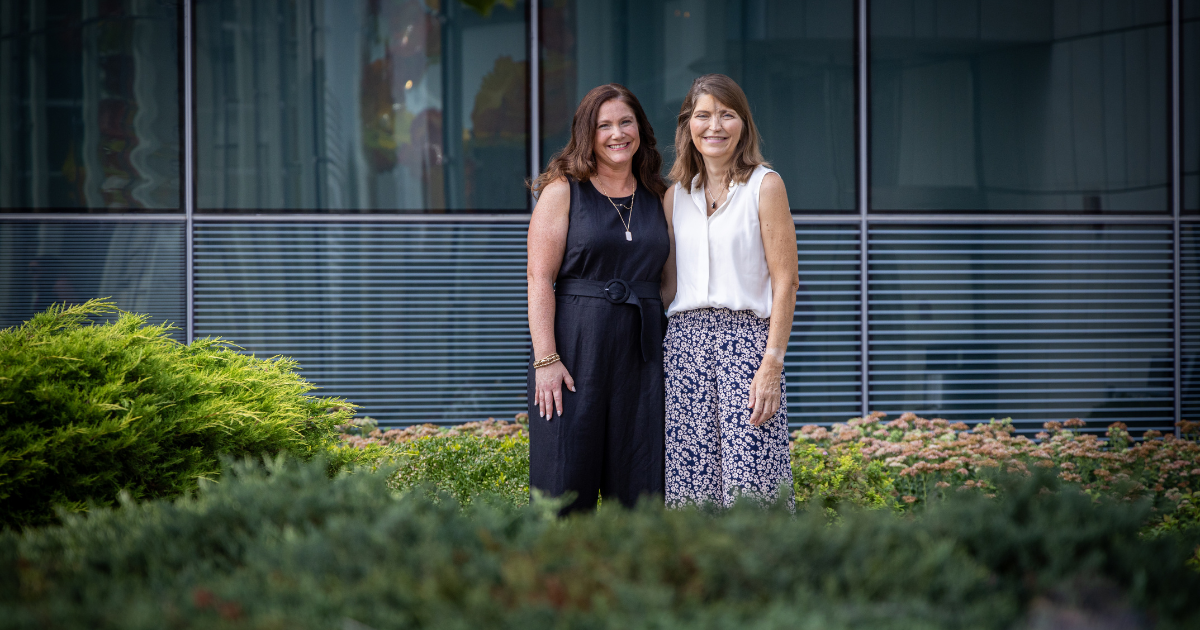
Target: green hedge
289, 547
90, 411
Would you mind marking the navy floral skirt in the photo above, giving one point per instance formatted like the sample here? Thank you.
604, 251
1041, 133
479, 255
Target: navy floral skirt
714, 455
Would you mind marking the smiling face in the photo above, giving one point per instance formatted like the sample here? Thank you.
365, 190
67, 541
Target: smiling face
715, 128
617, 138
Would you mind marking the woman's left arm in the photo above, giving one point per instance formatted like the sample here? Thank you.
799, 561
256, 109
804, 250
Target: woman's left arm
669, 279
779, 243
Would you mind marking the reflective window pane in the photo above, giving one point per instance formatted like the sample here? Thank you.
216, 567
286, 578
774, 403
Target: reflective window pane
361, 105
140, 265
794, 59
89, 106
1190, 61
1020, 105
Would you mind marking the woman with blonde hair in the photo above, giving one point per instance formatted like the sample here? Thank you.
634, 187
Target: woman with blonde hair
733, 277
597, 245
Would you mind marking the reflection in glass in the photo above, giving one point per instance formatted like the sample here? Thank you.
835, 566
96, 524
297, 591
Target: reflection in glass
1020, 105
139, 265
794, 59
89, 105
324, 105
1190, 60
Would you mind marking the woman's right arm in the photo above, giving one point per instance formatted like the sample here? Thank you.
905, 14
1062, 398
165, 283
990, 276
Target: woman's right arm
546, 244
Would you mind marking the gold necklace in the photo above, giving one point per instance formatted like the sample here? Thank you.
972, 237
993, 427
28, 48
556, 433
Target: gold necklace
616, 206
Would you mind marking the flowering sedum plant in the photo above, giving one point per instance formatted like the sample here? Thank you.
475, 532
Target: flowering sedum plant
927, 458
490, 428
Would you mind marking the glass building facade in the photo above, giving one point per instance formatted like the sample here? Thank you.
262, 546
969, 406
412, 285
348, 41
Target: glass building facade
997, 202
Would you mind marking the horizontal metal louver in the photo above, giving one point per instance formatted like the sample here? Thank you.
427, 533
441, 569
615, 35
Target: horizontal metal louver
427, 322
1036, 323
140, 265
824, 358
416, 322
1189, 289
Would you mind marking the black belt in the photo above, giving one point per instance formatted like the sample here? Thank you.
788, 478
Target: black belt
618, 291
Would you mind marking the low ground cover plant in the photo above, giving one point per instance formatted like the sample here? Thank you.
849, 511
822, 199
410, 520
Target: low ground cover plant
904, 463
91, 410
284, 545
916, 461
844, 476
363, 431
465, 467
462, 461
931, 458
901, 465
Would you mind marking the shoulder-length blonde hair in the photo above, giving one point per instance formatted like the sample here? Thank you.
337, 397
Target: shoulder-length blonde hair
747, 155
578, 158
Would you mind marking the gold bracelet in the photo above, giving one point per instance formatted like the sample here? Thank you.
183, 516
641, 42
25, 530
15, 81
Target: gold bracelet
544, 361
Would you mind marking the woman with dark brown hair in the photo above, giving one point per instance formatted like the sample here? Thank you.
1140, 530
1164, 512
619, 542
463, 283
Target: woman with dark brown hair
597, 245
731, 284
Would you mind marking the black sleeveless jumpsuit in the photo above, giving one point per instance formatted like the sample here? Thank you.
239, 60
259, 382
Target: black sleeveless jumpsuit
609, 439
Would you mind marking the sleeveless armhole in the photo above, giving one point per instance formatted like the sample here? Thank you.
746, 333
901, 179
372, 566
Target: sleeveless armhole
573, 203
760, 173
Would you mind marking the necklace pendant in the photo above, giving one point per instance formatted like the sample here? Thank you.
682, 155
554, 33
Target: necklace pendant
628, 236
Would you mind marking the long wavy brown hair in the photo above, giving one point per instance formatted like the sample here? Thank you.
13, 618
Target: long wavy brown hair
747, 154
578, 158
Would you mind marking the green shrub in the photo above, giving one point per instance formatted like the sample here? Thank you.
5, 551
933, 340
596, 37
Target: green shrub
285, 546
465, 466
364, 457
462, 461
844, 477
1183, 519
88, 411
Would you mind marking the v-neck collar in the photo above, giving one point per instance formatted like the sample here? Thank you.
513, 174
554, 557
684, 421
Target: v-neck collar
701, 201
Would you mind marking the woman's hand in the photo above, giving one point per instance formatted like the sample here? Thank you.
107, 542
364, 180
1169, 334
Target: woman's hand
765, 390
548, 388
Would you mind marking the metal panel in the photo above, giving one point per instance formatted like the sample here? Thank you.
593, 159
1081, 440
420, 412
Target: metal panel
862, 128
138, 264
415, 322
823, 362
1035, 323
189, 166
1189, 251
427, 322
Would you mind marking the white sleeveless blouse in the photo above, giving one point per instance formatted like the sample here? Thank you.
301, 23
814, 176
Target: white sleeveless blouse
719, 259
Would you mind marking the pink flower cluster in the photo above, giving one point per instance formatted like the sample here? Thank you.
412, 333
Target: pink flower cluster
491, 428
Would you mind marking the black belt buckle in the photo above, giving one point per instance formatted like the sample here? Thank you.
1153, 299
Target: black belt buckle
617, 291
